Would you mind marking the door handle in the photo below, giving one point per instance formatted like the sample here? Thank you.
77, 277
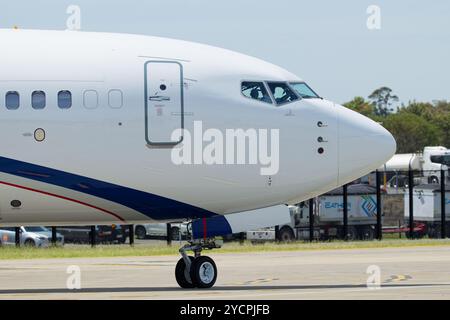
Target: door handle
159, 98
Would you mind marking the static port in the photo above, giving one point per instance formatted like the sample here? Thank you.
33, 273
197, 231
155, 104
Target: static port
16, 203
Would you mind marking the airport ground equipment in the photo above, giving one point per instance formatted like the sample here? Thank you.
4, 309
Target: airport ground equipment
428, 209
328, 216
424, 162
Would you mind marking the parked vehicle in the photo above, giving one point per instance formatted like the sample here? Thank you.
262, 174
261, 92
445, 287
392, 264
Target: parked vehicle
429, 161
103, 234
427, 210
328, 217
159, 230
29, 236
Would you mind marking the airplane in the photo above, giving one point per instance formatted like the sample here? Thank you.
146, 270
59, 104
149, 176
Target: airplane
88, 122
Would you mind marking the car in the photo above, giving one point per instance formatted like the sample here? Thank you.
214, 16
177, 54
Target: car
179, 231
103, 234
29, 236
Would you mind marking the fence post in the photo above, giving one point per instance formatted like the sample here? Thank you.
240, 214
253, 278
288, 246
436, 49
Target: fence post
311, 219
379, 209
17, 236
345, 222
131, 234
54, 236
443, 226
411, 202
92, 236
242, 238
169, 234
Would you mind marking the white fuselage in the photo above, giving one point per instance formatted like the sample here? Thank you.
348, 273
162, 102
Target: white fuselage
96, 165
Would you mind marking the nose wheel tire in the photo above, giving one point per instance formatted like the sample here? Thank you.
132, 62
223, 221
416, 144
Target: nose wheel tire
182, 276
198, 271
203, 272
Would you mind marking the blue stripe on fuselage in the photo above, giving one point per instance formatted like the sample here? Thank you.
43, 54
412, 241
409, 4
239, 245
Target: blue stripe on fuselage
154, 206
215, 226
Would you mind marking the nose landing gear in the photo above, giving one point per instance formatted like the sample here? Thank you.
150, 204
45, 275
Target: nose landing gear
197, 271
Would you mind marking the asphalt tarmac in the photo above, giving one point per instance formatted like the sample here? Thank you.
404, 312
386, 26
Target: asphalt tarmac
403, 273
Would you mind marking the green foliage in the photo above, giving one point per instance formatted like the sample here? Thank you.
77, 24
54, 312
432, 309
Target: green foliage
411, 132
360, 105
414, 126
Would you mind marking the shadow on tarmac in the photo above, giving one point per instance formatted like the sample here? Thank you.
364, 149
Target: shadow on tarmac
218, 288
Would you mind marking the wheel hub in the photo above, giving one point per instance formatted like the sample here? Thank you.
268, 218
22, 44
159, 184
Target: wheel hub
206, 272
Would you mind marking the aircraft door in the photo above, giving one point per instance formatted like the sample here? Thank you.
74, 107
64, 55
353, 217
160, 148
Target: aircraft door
163, 102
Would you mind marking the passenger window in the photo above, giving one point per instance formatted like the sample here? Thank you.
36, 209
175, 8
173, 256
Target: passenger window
90, 99
282, 93
256, 91
38, 99
12, 100
115, 99
64, 99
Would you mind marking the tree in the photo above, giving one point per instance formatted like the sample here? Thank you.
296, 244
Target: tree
412, 132
421, 109
362, 106
437, 114
382, 100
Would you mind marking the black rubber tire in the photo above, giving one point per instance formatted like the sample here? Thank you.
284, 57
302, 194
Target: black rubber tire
286, 235
434, 233
433, 180
175, 233
140, 232
179, 274
368, 233
352, 234
29, 243
123, 240
198, 267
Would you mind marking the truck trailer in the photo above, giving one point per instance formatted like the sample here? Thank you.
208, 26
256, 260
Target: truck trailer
427, 209
328, 217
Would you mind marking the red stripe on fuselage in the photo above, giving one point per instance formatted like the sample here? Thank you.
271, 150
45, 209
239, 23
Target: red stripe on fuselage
64, 198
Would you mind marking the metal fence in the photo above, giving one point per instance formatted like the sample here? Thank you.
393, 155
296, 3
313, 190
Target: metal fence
412, 204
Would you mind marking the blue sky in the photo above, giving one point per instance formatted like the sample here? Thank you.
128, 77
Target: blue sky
326, 43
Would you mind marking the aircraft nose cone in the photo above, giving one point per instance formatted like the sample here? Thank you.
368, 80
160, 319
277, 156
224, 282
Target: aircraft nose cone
364, 145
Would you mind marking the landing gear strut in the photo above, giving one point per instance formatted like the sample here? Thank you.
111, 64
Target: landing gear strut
197, 271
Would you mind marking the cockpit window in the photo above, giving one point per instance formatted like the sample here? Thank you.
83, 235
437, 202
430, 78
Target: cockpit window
303, 90
256, 91
281, 92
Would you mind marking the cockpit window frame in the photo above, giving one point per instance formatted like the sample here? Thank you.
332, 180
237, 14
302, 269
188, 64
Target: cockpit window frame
273, 102
269, 91
273, 97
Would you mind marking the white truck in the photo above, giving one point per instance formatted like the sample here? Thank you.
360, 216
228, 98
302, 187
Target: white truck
328, 217
427, 210
429, 162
